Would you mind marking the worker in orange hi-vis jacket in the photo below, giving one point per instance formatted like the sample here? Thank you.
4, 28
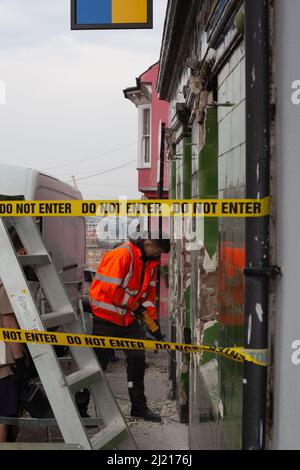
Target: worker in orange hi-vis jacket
123, 291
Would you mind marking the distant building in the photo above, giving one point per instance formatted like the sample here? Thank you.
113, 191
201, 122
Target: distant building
94, 251
91, 229
93, 255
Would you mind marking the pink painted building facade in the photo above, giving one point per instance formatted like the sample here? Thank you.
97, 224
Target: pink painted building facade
151, 113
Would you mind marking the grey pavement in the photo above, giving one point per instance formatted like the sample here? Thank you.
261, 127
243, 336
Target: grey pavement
169, 434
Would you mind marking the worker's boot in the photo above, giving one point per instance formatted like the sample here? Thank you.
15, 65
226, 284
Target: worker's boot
146, 414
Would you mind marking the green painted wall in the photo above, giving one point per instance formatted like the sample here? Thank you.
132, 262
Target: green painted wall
187, 167
208, 178
186, 333
173, 180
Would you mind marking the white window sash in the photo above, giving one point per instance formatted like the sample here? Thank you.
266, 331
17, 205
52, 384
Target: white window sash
142, 163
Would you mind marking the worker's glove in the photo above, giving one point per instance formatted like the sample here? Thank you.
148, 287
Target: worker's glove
152, 325
157, 335
140, 312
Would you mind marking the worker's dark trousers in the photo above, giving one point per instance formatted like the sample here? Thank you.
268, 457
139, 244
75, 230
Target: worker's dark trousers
135, 359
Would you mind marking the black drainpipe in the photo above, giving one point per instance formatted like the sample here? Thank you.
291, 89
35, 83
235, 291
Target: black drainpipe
160, 195
257, 229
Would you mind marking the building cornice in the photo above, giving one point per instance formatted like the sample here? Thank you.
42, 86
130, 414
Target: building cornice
177, 30
180, 22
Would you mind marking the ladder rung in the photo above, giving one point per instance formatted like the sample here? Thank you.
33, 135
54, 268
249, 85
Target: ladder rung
82, 378
112, 435
31, 260
57, 318
39, 446
45, 422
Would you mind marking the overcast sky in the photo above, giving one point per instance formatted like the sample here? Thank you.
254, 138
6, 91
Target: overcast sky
64, 99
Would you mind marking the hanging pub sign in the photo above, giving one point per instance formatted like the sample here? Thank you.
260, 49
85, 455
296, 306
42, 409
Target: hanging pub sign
111, 14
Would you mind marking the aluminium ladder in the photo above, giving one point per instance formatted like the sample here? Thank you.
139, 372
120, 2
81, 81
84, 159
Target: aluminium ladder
60, 388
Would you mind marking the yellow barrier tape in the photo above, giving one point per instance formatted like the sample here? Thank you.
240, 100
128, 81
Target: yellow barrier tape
255, 356
137, 208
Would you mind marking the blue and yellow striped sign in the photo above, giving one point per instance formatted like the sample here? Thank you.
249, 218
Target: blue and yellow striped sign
112, 14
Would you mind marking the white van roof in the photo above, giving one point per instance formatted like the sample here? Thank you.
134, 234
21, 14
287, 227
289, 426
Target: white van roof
20, 181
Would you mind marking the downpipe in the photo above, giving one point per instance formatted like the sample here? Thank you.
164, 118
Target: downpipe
257, 229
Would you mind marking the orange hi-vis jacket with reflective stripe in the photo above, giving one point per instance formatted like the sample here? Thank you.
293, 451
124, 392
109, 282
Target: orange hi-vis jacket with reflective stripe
122, 279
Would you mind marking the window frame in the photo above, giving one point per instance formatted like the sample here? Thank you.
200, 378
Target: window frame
142, 163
